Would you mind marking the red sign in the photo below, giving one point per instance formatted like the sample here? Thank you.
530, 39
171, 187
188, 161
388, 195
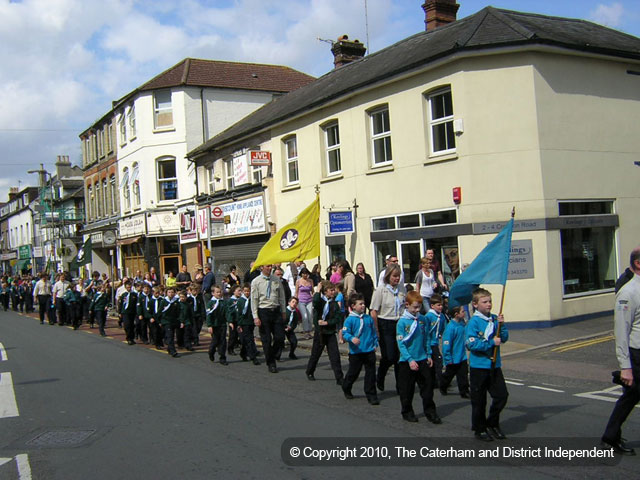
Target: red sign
217, 214
259, 158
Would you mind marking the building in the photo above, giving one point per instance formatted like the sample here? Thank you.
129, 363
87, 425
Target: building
155, 126
17, 227
430, 143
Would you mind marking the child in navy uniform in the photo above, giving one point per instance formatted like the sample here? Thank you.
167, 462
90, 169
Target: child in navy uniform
292, 320
72, 299
186, 319
217, 325
481, 338
127, 306
155, 327
199, 313
360, 331
170, 319
414, 366
99, 305
436, 321
231, 303
142, 312
246, 326
454, 354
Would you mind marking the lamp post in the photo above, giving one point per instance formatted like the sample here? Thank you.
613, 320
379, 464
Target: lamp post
42, 183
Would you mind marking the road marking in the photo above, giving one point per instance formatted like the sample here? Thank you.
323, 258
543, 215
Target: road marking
3, 353
515, 379
5, 460
24, 469
610, 394
514, 383
586, 343
8, 405
547, 389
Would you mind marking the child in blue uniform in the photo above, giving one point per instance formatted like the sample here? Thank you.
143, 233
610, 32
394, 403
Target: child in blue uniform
217, 325
454, 354
246, 326
482, 338
360, 331
414, 366
170, 319
436, 320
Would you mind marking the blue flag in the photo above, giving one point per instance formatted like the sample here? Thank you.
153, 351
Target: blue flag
489, 267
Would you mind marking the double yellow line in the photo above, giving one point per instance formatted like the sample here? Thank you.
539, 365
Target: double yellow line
585, 343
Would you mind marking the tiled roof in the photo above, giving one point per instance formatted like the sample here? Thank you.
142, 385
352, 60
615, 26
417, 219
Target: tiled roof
488, 28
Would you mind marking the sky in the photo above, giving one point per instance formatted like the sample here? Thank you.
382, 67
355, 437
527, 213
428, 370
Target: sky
62, 62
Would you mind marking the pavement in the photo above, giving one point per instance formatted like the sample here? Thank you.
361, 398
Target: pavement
520, 341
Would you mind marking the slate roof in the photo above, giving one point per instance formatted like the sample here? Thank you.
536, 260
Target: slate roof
221, 74
488, 28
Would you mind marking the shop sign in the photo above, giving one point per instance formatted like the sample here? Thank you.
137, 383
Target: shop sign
521, 260
163, 223
188, 228
132, 226
244, 217
259, 158
340, 223
24, 252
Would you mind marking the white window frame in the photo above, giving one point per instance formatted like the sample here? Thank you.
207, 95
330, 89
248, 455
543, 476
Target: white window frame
158, 110
382, 135
134, 181
291, 158
211, 178
163, 180
114, 194
229, 180
437, 122
131, 120
124, 185
88, 202
122, 129
256, 174
329, 149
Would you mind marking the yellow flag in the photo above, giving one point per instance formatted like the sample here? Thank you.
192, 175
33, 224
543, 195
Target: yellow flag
298, 240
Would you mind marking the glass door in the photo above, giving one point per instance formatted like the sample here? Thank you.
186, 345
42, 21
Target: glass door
410, 255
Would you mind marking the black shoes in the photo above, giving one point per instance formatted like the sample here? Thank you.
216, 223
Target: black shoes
348, 395
339, 381
131, 342
187, 348
410, 417
483, 435
256, 361
224, 362
443, 391
273, 369
293, 356
380, 385
373, 401
175, 355
464, 394
435, 419
310, 377
496, 433
618, 446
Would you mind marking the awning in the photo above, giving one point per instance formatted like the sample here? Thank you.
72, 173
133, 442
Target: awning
22, 264
134, 176
129, 241
125, 179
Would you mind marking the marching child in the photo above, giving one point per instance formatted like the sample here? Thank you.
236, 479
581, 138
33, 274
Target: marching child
186, 318
244, 319
360, 331
217, 326
143, 313
199, 312
293, 318
170, 319
481, 338
98, 308
326, 318
127, 306
436, 321
414, 343
454, 354
231, 318
155, 327
72, 299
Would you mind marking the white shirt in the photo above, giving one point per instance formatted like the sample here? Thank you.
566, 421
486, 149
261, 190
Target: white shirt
400, 285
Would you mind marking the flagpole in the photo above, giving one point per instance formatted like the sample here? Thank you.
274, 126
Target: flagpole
504, 290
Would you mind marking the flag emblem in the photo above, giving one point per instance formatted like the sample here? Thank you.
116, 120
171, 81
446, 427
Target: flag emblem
289, 239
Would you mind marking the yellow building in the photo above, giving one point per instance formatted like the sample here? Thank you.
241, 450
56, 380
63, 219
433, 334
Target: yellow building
500, 109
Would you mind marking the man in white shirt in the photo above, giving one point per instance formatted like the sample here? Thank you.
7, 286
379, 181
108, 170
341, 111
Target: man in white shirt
59, 289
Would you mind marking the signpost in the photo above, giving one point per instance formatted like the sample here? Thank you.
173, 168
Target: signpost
341, 223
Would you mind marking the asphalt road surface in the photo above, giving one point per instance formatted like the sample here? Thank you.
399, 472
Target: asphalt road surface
74, 405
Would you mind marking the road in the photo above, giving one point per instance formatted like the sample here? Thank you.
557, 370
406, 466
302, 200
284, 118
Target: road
95, 408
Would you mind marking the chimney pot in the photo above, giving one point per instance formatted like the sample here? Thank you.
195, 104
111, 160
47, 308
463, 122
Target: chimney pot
346, 51
439, 12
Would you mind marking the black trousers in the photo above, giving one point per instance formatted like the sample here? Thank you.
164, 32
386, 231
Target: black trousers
293, 343
407, 380
5, 301
28, 302
627, 401
51, 313
169, 336
219, 343
436, 371
100, 317
248, 348
74, 314
485, 380
321, 340
128, 321
142, 328
458, 370
157, 333
43, 306
388, 348
61, 310
356, 362
271, 333
233, 338
196, 329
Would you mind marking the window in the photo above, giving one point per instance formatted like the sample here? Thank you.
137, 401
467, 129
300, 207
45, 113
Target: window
228, 173
123, 129
163, 112
256, 174
291, 156
381, 250
408, 221
442, 217
104, 197
100, 143
381, 136
89, 203
109, 137
98, 196
124, 185
132, 121
167, 180
588, 254
388, 223
114, 194
443, 139
135, 185
332, 145
211, 178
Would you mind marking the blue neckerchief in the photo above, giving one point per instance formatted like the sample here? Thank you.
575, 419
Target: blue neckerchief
325, 309
361, 317
291, 316
268, 285
397, 298
246, 305
211, 310
413, 327
171, 302
436, 326
98, 295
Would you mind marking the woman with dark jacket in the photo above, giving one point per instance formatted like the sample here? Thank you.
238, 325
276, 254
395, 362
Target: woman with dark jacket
364, 284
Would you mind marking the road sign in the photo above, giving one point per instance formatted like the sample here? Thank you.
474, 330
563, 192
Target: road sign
217, 214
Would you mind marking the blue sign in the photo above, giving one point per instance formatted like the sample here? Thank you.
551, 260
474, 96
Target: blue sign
341, 222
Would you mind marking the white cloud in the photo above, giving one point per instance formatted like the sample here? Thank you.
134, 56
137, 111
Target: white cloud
610, 15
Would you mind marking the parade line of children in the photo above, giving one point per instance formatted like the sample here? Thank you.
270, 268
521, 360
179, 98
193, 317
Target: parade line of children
166, 317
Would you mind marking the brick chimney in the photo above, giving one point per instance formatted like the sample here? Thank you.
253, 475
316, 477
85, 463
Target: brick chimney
13, 193
439, 12
63, 166
346, 51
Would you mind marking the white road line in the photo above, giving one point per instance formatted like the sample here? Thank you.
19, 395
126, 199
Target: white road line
547, 389
515, 379
610, 394
5, 460
514, 383
8, 405
24, 469
3, 353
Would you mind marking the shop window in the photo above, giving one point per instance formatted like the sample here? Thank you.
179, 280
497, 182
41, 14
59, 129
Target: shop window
169, 246
336, 252
408, 221
588, 254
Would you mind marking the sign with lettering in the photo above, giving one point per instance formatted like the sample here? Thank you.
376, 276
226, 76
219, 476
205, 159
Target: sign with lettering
132, 226
341, 222
239, 218
188, 229
24, 252
259, 158
163, 222
521, 260
240, 171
